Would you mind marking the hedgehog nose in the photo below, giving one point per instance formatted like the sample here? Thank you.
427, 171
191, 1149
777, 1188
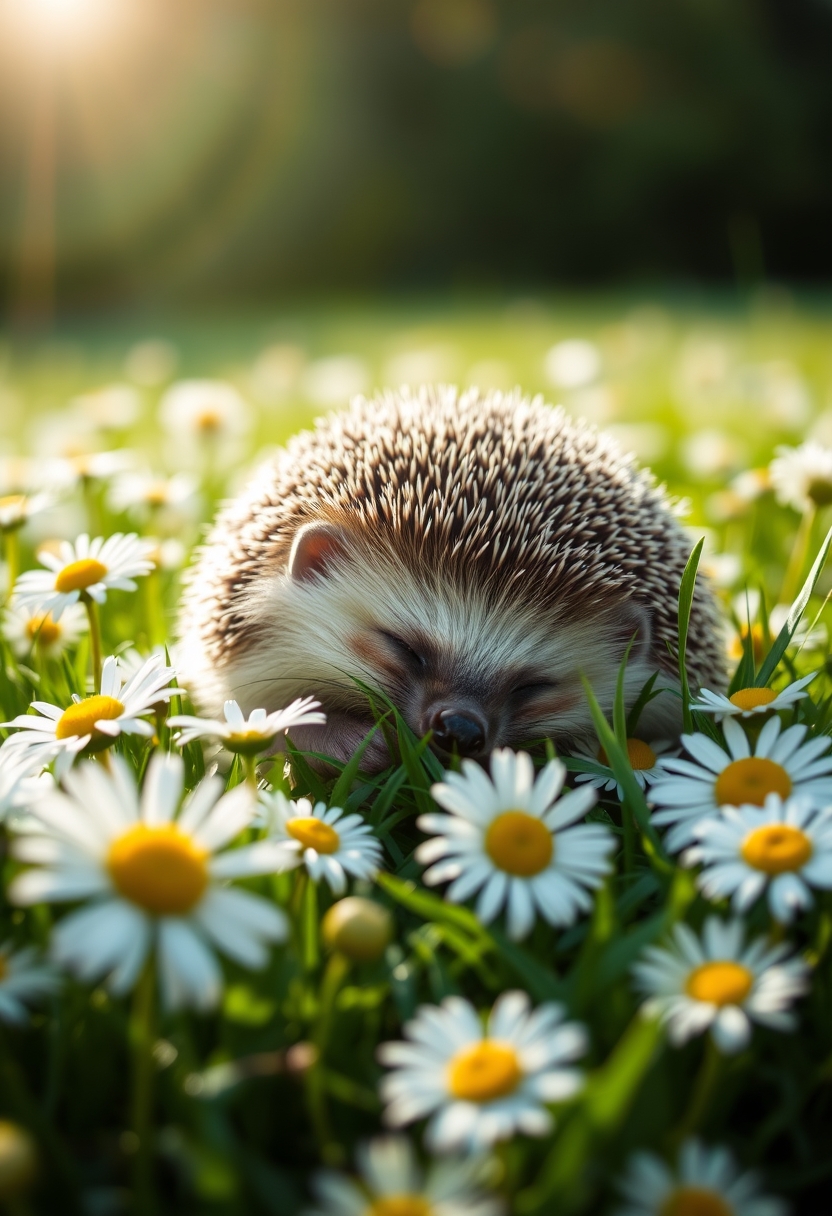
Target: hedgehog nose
457, 730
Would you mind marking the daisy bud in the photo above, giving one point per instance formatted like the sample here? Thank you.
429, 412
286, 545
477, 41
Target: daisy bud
18, 1160
358, 928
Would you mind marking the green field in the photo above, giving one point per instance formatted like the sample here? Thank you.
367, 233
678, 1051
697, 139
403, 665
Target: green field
136, 1101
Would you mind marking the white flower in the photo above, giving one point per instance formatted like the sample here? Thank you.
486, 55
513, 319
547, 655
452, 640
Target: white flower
746, 702
717, 982
90, 568
512, 838
94, 722
572, 363
329, 843
777, 765
30, 632
785, 846
16, 509
802, 477
706, 1182
479, 1085
18, 785
23, 979
207, 409
151, 878
142, 493
646, 762
392, 1183
69, 469
249, 736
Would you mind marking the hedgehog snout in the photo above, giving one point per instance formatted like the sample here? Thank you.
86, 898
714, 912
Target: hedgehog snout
460, 728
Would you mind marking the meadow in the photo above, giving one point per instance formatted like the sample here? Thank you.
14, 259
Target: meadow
192, 1014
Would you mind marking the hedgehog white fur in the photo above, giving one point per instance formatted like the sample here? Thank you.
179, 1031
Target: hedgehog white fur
470, 555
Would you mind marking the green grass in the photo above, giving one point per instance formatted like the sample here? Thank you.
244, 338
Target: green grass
240, 1115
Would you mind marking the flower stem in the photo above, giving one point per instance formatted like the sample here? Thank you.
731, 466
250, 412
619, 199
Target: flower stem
797, 559
333, 977
250, 770
142, 1035
12, 559
95, 639
703, 1090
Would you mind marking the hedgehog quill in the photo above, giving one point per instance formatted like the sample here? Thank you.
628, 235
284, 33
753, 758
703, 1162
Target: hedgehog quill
471, 555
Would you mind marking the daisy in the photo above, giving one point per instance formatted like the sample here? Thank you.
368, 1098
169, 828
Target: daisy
802, 477
152, 877
779, 764
24, 979
93, 723
329, 843
392, 1183
705, 1182
249, 736
39, 633
644, 760
16, 509
18, 784
207, 409
142, 493
87, 568
479, 1085
718, 982
513, 840
746, 702
785, 846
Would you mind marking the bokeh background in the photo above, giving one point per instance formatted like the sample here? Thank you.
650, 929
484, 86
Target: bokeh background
159, 152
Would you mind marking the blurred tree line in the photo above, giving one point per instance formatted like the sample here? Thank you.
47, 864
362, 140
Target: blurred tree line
248, 148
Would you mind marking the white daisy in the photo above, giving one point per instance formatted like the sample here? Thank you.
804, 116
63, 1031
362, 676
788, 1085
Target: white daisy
16, 509
481, 1086
785, 846
207, 409
746, 702
24, 979
74, 465
328, 842
143, 493
250, 736
153, 878
39, 633
93, 723
779, 764
646, 762
88, 568
802, 477
705, 1182
392, 1183
18, 783
718, 982
512, 839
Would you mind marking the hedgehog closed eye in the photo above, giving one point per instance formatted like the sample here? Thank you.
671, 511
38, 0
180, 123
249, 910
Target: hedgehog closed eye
404, 648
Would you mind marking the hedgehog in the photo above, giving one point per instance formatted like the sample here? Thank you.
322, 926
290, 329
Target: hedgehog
471, 556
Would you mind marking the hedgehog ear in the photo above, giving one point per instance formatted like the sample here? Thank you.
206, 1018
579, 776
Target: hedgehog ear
314, 549
631, 623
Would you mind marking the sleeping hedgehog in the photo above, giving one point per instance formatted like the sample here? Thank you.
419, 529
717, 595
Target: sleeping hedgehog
471, 556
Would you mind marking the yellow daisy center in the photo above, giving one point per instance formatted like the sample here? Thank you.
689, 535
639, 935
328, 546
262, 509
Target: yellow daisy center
720, 983
640, 753
758, 643
156, 494
43, 630
77, 576
16, 501
776, 848
80, 719
399, 1205
314, 834
519, 844
749, 781
208, 420
695, 1201
159, 868
483, 1072
752, 698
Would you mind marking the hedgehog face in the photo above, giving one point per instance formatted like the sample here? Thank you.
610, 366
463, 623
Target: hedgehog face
479, 669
